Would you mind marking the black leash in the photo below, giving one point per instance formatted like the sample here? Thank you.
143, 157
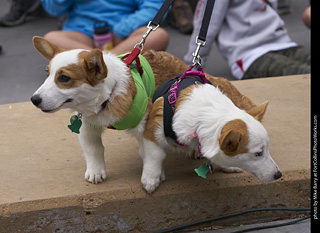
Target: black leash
203, 32
206, 20
162, 11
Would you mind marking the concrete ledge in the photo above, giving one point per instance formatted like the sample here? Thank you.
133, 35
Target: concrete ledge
42, 171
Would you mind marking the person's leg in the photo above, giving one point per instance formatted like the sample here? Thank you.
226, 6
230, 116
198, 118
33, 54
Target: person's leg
157, 40
69, 39
275, 64
297, 53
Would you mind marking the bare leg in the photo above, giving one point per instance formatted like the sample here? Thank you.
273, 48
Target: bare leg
69, 39
157, 40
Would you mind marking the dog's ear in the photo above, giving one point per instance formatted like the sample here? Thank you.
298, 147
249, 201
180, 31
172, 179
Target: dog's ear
95, 65
229, 142
234, 138
45, 48
258, 111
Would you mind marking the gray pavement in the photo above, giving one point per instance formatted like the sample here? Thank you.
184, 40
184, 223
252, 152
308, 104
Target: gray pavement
22, 69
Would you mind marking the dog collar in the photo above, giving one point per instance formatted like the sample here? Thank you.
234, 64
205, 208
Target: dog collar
104, 104
195, 136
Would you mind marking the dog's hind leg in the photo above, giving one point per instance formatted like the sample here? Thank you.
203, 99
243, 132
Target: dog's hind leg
93, 150
153, 173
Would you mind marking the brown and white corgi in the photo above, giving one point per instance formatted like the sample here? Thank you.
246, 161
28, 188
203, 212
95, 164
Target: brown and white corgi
100, 86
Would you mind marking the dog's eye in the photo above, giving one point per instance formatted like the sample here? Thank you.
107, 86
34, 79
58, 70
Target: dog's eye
63, 78
257, 154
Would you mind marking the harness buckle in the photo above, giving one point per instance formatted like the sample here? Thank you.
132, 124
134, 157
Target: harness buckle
172, 98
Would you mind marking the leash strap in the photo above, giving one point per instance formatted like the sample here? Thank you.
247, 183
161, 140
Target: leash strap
203, 32
155, 22
139, 46
162, 11
206, 20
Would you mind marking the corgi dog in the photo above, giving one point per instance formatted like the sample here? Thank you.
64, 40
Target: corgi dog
101, 87
229, 137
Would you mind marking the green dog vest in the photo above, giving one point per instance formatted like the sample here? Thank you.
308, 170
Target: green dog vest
145, 85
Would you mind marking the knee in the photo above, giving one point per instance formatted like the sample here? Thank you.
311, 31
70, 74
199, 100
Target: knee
161, 39
51, 37
164, 38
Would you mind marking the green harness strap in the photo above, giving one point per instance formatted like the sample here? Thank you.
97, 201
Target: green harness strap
145, 85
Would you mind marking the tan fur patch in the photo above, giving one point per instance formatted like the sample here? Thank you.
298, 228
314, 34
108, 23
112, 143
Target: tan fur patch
93, 64
234, 138
258, 111
155, 120
121, 104
241, 101
90, 69
76, 74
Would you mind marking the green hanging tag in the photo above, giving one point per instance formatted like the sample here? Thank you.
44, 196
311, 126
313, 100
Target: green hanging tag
76, 123
202, 170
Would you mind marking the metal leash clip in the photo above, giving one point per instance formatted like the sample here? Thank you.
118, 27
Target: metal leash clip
144, 37
196, 57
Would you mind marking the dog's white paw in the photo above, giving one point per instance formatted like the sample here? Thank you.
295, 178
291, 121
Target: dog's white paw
95, 176
151, 184
232, 169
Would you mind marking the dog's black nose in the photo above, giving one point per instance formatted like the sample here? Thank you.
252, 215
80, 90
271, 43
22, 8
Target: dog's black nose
36, 100
277, 175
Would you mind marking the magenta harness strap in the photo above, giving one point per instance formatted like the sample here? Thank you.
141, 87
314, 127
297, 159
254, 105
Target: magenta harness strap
172, 98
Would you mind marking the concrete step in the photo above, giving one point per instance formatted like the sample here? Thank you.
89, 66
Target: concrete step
42, 171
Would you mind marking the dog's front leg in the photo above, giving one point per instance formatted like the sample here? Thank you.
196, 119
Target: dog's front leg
153, 173
93, 150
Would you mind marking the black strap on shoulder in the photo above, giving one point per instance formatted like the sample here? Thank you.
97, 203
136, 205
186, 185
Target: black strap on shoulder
206, 20
162, 11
